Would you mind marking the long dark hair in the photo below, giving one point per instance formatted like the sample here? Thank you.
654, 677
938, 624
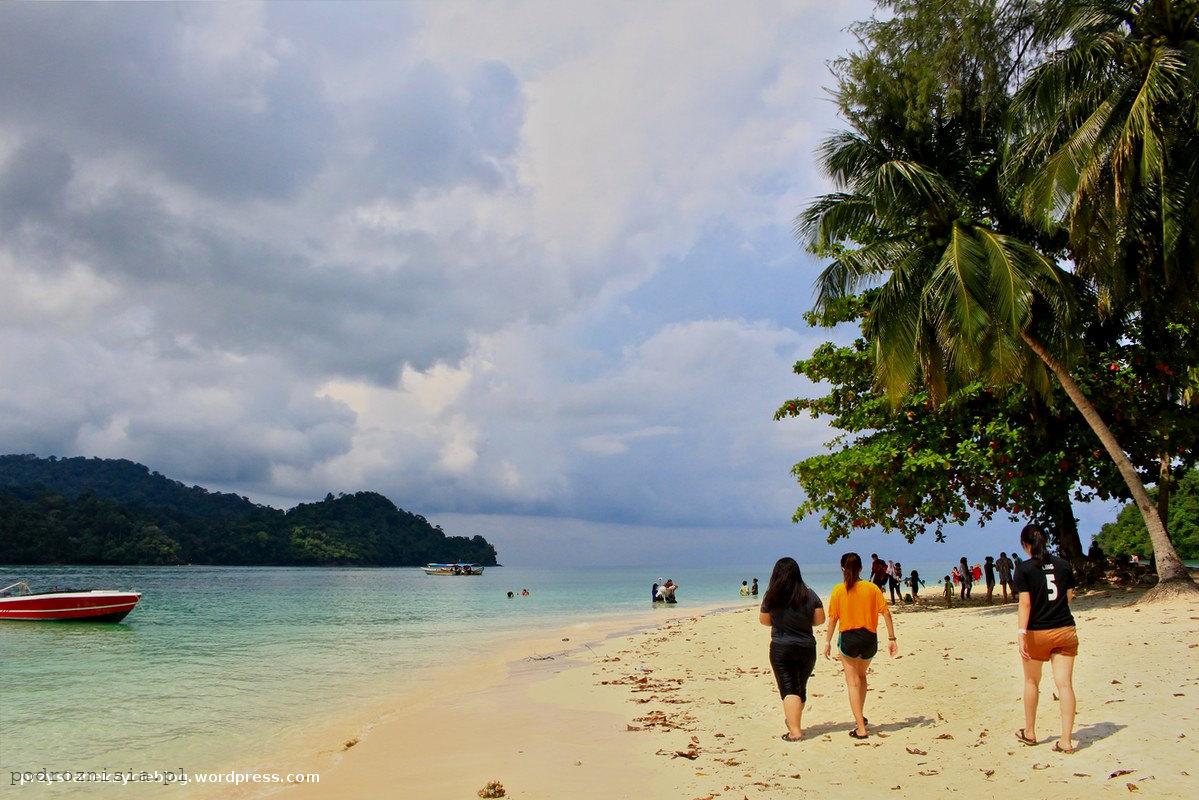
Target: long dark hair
851, 568
786, 589
1034, 538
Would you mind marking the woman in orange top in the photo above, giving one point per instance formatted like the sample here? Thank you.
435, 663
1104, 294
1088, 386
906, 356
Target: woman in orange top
854, 607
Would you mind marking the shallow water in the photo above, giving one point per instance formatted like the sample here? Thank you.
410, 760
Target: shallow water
218, 665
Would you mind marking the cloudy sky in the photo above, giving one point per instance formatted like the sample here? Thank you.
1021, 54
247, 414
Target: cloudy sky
525, 268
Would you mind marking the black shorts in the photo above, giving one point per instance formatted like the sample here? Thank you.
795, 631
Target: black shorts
858, 643
792, 665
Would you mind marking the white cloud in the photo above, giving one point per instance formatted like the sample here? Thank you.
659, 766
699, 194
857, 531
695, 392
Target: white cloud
315, 248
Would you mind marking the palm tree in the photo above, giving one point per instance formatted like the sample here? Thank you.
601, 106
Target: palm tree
963, 293
1109, 151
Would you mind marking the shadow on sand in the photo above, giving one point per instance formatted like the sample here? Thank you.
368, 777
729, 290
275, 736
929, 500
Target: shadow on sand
1087, 735
843, 728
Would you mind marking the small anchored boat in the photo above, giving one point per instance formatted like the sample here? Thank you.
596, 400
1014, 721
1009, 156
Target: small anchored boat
18, 602
453, 569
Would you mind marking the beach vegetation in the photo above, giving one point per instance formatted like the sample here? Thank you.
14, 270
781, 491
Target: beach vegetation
924, 467
1127, 535
1019, 184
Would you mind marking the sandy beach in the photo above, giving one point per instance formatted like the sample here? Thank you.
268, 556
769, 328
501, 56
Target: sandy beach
688, 709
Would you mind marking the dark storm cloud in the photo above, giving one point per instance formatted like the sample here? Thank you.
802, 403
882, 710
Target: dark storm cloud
115, 77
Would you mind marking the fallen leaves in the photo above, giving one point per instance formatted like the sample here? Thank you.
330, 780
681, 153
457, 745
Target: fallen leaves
493, 789
916, 751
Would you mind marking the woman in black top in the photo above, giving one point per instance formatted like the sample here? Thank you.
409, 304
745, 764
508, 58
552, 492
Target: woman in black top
1045, 586
790, 608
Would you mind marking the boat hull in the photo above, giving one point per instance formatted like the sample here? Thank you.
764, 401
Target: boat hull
462, 573
97, 606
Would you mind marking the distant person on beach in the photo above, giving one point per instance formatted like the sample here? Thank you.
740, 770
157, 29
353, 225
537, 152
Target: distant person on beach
989, 571
976, 573
524, 592
1005, 567
893, 582
854, 607
511, 595
754, 588
1046, 632
915, 583
790, 608
1095, 554
745, 588
966, 576
654, 593
957, 576
948, 591
878, 571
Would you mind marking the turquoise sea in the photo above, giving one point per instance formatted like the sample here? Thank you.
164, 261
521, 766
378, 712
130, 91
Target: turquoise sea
219, 665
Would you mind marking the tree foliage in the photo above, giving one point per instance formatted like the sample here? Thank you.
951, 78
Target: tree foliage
101, 511
1128, 535
969, 208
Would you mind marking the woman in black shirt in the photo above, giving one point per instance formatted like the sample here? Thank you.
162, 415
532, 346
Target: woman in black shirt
1045, 587
790, 608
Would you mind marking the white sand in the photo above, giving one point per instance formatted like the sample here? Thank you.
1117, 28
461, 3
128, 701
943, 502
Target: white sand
943, 716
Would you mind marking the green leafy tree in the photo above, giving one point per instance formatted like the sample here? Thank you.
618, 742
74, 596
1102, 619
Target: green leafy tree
1109, 152
970, 288
921, 467
1128, 535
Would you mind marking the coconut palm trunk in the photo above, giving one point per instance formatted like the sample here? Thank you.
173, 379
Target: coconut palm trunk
1169, 566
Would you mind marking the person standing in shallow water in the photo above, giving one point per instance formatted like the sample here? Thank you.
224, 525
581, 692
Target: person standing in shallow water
790, 608
1046, 632
855, 606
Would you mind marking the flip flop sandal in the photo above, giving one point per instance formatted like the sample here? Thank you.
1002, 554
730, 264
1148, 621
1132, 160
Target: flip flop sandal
1024, 739
786, 737
854, 733
1057, 748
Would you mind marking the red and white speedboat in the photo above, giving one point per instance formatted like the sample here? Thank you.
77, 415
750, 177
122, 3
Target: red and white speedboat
96, 605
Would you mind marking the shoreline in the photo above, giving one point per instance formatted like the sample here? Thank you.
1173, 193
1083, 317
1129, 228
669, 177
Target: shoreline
515, 663
686, 707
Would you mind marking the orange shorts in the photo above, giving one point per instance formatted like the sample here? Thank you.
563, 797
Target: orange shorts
1042, 644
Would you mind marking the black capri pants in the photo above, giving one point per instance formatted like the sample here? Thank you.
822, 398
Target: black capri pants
792, 665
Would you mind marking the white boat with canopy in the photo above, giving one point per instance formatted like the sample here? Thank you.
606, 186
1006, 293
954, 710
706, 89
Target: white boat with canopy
459, 568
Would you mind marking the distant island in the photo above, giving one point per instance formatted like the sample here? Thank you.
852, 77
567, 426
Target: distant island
114, 511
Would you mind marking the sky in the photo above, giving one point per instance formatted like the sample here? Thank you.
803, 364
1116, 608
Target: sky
525, 268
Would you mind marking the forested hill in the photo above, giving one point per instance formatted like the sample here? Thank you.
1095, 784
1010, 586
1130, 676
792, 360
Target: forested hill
104, 511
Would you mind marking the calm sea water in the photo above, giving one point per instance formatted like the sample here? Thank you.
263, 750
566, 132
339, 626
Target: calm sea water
219, 664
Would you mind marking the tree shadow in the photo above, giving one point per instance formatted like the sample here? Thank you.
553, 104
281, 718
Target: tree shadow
1087, 735
887, 727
